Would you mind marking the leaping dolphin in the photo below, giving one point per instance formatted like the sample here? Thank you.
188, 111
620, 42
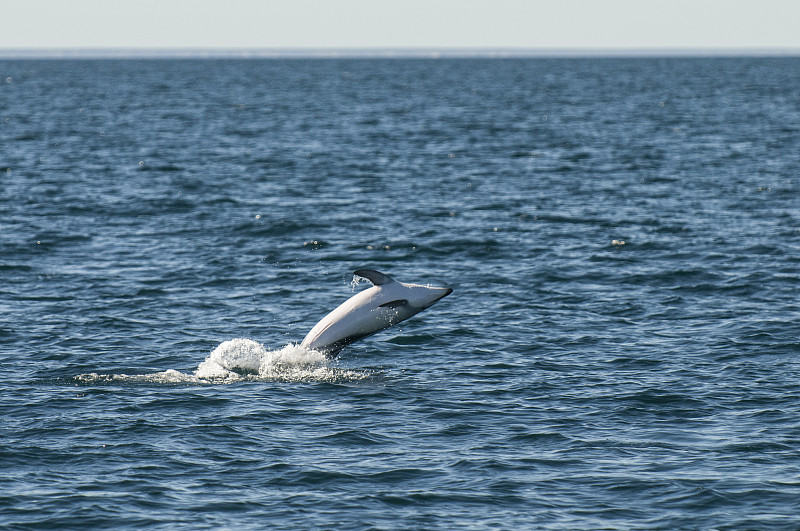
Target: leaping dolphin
386, 303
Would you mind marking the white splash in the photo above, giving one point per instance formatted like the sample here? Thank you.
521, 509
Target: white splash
241, 359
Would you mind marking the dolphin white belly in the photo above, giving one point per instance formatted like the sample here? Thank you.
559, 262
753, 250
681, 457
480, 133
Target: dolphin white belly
385, 304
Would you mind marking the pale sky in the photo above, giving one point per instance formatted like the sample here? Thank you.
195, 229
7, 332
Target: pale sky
398, 24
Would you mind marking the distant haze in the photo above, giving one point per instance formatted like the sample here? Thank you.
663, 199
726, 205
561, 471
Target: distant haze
566, 25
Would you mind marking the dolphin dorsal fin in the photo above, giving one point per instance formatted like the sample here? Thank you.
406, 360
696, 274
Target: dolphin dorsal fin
376, 277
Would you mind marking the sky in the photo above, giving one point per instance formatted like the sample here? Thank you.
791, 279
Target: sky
401, 24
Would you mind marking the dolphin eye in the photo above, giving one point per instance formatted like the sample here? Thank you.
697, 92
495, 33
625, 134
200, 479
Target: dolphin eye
394, 304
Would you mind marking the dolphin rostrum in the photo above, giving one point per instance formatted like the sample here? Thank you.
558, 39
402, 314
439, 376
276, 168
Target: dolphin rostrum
385, 304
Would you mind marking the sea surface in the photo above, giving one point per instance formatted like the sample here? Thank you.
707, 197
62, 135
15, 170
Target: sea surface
621, 349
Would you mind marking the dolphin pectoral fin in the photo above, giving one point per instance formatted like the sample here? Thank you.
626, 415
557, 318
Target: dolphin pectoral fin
377, 278
394, 304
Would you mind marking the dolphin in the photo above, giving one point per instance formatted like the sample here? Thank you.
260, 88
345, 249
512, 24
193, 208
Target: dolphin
386, 303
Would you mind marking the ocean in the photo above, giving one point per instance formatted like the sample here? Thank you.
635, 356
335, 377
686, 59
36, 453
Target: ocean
621, 349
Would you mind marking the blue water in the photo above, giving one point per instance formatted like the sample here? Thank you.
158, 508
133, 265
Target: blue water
621, 349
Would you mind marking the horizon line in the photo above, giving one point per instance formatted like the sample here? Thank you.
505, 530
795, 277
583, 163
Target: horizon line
386, 52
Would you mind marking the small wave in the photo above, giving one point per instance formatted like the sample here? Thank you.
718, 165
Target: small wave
242, 359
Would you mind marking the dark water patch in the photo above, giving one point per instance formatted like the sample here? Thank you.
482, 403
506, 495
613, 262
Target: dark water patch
541, 439
418, 339
16, 268
354, 438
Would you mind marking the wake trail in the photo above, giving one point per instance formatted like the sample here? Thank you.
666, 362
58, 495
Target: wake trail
243, 359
